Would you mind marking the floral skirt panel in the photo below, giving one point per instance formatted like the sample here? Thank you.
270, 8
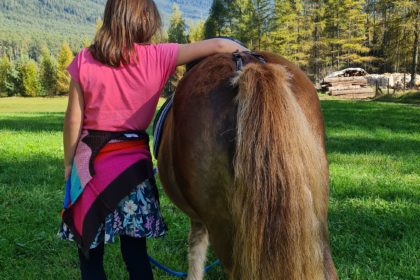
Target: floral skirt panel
137, 215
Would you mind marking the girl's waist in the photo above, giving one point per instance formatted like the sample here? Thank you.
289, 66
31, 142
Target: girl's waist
96, 144
121, 145
101, 137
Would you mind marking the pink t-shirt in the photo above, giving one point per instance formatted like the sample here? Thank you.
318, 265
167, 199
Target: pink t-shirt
123, 98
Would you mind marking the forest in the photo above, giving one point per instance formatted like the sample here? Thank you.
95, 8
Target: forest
320, 36
326, 35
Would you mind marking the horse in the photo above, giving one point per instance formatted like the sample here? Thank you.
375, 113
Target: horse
243, 154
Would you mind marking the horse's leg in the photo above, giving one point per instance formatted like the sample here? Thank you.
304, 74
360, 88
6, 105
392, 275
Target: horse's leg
329, 267
198, 243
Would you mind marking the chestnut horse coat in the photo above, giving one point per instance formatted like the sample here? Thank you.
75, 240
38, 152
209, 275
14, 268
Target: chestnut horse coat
243, 155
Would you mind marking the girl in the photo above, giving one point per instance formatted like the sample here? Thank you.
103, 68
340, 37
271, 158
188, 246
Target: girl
114, 91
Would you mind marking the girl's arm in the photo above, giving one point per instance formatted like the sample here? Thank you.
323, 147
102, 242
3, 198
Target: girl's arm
190, 52
72, 125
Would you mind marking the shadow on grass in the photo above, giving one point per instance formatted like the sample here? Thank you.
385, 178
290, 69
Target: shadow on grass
370, 115
408, 98
36, 122
382, 222
388, 194
364, 145
373, 127
31, 171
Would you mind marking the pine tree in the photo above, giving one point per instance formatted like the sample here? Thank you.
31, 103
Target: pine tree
196, 31
160, 36
30, 79
305, 28
216, 23
5, 68
294, 30
318, 50
177, 31
14, 83
262, 22
98, 24
240, 15
251, 22
345, 32
86, 42
354, 46
48, 72
63, 78
410, 22
373, 31
415, 57
285, 19
394, 33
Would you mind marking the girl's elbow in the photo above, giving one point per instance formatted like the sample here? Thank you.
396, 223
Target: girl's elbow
71, 121
220, 45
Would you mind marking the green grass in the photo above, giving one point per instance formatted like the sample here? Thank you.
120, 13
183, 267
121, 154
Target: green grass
410, 97
374, 155
31, 105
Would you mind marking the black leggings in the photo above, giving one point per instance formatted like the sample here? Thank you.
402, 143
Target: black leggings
134, 253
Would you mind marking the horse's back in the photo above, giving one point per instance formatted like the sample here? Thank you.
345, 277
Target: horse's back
196, 159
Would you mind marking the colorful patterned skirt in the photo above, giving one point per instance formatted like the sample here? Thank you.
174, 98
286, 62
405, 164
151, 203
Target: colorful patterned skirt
111, 190
137, 215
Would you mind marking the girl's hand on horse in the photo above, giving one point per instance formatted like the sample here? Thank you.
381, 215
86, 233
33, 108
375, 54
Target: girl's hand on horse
190, 52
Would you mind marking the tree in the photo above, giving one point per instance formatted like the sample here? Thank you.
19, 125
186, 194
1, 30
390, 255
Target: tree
411, 19
293, 30
318, 51
196, 31
5, 68
48, 72
216, 23
160, 36
177, 31
98, 24
30, 80
242, 14
86, 42
284, 34
261, 18
63, 78
346, 38
415, 57
14, 85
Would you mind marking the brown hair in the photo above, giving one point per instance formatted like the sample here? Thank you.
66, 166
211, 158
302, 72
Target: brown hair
277, 210
125, 22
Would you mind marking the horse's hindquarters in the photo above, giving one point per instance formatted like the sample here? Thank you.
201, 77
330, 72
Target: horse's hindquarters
196, 164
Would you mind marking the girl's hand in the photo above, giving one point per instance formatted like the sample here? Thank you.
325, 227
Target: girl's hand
67, 172
190, 52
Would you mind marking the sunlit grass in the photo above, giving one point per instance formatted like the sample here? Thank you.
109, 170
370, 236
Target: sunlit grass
374, 154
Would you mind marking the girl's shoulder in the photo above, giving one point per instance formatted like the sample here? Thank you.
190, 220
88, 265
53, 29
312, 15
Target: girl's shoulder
157, 51
156, 46
84, 53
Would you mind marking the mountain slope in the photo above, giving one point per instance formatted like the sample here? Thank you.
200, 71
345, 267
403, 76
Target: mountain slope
48, 22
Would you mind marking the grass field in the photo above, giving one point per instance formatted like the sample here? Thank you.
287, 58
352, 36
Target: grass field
374, 155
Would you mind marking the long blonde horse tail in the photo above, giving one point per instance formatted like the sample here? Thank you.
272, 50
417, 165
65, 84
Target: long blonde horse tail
278, 195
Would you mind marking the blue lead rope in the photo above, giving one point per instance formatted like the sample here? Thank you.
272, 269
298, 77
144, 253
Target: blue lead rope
67, 193
176, 273
173, 272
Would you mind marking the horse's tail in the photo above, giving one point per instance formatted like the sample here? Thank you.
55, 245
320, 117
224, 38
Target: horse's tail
280, 181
